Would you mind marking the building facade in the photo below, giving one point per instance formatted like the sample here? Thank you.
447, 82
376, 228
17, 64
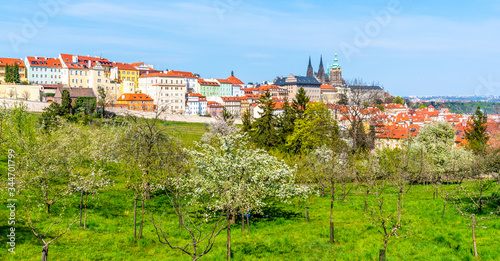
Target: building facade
43, 70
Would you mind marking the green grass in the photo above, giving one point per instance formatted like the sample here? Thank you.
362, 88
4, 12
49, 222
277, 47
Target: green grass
283, 236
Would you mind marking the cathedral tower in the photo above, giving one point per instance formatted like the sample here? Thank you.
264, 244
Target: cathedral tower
310, 71
336, 73
321, 71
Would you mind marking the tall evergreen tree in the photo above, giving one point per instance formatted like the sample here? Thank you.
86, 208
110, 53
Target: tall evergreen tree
300, 103
264, 133
8, 74
286, 122
65, 102
15, 74
475, 134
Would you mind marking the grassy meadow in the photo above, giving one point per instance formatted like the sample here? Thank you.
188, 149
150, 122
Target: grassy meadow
284, 235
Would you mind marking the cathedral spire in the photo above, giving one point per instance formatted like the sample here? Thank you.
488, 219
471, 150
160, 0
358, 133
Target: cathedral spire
321, 71
336, 62
232, 73
310, 71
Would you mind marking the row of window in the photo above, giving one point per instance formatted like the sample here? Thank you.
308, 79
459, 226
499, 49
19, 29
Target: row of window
175, 94
129, 72
141, 107
166, 81
171, 101
140, 102
35, 69
46, 76
171, 88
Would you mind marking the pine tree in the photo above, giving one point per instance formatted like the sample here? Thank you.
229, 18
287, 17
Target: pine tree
264, 133
65, 102
475, 134
15, 74
286, 122
247, 122
8, 73
300, 103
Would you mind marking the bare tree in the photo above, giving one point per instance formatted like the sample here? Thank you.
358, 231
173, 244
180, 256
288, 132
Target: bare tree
474, 199
26, 95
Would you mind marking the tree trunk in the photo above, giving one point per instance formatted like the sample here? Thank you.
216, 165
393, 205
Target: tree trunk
400, 205
135, 217
81, 207
332, 235
48, 208
366, 200
142, 218
85, 219
228, 239
242, 223
45, 252
444, 205
306, 214
180, 222
474, 234
322, 189
248, 222
381, 255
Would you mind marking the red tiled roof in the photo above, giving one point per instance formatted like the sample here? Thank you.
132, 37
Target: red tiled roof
11, 61
328, 87
181, 74
234, 80
134, 97
226, 99
203, 82
154, 75
223, 81
125, 67
44, 62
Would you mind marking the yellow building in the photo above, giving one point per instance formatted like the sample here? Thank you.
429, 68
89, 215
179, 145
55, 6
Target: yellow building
12, 62
125, 74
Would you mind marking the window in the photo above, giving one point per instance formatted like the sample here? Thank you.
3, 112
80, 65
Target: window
71, 72
98, 73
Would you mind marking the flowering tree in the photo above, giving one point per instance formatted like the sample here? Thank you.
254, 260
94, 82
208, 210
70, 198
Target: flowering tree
238, 177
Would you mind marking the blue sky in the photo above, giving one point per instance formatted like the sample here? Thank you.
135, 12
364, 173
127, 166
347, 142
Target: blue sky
411, 47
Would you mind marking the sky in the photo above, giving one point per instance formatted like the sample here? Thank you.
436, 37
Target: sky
410, 47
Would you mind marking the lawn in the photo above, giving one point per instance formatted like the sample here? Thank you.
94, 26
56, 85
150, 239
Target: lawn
284, 235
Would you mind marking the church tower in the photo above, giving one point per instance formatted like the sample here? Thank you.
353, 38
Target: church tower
310, 71
321, 71
336, 72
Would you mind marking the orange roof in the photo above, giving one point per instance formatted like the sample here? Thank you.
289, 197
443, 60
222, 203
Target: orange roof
398, 131
223, 81
203, 82
134, 97
125, 67
10, 61
44, 62
230, 99
181, 74
234, 80
328, 87
136, 64
154, 75
83, 61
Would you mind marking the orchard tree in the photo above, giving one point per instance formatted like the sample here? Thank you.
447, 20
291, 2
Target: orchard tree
239, 177
367, 172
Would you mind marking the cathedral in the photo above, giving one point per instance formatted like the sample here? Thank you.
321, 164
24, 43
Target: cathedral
333, 75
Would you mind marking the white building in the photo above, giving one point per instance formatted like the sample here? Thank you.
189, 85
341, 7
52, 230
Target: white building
168, 92
43, 70
196, 104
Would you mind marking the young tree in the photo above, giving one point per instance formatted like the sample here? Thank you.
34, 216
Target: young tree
475, 134
247, 122
239, 178
101, 100
227, 116
315, 129
367, 171
145, 150
474, 199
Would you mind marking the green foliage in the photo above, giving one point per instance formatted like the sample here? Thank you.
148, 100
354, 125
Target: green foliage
299, 104
422, 106
101, 100
65, 102
227, 116
475, 134
286, 122
12, 73
247, 122
315, 129
344, 100
264, 128
398, 100
87, 105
